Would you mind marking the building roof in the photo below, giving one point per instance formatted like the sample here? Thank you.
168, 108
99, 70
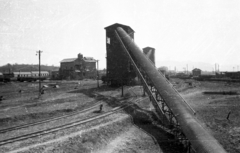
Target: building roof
17, 73
89, 59
41, 72
118, 25
68, 60
196, 69
34, 72
148, 48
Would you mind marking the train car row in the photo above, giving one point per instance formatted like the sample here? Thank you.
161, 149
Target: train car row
24, 76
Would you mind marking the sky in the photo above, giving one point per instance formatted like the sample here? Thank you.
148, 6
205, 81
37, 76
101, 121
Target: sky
193, 33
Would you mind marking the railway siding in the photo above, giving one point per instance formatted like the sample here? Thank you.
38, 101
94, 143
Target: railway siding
55, 134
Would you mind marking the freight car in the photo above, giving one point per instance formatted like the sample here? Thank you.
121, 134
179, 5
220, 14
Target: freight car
1, 77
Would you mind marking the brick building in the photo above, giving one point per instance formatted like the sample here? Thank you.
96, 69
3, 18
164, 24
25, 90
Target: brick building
78, 68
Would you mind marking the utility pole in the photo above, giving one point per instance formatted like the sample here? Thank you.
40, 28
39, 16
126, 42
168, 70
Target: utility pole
97, 75
39, 74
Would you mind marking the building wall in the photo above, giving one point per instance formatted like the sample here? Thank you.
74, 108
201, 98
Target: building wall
77, 69
55, 75
68, 66
90, 70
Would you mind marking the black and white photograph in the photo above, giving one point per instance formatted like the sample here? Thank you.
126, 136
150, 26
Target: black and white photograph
119, 76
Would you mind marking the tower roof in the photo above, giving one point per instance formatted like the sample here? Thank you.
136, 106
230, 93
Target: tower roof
114, 26
148, 47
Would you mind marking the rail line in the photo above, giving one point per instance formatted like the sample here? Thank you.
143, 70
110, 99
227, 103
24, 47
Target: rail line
62, 127
55, 129
47, 120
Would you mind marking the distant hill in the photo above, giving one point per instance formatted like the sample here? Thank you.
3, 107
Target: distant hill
26, 68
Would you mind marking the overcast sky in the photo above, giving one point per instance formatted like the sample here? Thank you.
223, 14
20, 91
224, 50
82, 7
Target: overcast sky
185, 31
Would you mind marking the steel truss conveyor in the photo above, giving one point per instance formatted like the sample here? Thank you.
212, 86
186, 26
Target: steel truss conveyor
175, 113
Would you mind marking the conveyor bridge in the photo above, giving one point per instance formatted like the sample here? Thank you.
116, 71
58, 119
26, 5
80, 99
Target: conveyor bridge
176, 114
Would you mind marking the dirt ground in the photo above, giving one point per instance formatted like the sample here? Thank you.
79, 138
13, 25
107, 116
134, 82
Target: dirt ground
122, 132
218, 112
130, 130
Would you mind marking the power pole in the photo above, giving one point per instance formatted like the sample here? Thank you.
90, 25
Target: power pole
39, 74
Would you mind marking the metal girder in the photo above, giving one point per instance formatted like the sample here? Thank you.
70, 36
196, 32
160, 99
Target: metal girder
180, 113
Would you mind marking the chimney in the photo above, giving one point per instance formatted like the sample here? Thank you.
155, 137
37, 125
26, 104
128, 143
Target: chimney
80, 56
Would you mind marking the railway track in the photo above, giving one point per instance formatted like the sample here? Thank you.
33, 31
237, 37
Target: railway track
62, 127
55, 129
48, 120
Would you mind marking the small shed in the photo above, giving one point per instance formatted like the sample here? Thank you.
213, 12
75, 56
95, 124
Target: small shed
196, 72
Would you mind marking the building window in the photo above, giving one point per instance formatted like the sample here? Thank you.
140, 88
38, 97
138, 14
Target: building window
108, 40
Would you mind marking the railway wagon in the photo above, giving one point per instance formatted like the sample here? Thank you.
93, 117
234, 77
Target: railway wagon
22, 76
7, 76
25, 76
1, 77
43, 75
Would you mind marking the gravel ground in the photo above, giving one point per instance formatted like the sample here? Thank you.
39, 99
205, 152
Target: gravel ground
31, 129
130, 141
84, 137
213, 109
56, 102
115, 135
131, 130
